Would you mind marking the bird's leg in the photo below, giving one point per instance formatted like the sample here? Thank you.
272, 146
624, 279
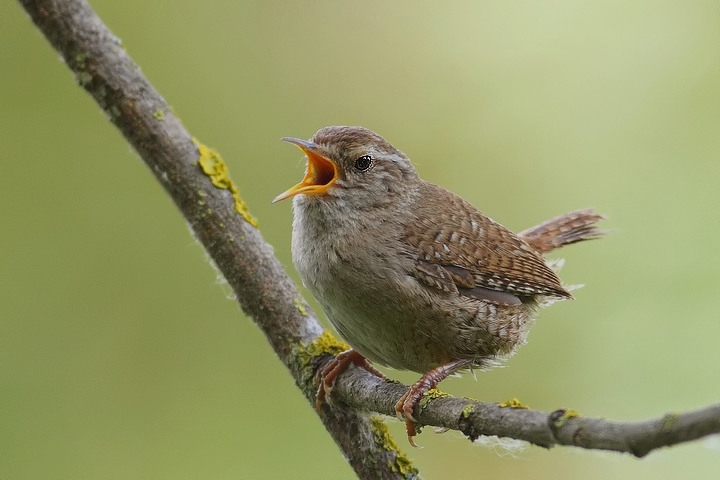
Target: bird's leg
407, 403
335, 367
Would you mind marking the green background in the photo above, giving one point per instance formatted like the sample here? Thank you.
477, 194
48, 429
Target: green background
121, 355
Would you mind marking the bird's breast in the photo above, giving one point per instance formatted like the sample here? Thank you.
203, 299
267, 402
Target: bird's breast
334, 254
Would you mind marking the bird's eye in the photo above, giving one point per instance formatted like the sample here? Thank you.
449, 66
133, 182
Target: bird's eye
363, 163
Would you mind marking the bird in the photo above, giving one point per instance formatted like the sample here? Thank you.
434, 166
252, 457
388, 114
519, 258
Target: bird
411, 275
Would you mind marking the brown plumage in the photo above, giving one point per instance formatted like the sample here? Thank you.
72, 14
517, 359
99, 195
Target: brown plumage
410, 274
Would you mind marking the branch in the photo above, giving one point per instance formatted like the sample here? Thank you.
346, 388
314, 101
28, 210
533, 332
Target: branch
197, 180
360, 389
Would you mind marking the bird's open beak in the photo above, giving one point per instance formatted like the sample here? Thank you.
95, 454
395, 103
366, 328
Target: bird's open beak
320, 174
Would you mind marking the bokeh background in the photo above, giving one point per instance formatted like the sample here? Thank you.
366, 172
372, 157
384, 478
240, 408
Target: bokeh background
121, 355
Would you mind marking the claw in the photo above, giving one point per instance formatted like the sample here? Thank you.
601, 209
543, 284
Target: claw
411, 440
335, 367
405, 407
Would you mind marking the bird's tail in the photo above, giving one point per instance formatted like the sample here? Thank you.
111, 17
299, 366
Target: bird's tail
563, 230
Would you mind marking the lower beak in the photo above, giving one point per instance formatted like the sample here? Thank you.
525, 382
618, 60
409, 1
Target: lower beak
320, 174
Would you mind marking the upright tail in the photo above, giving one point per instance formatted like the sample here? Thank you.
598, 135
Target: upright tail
563, 230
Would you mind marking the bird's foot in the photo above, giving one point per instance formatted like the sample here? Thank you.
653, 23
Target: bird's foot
335, 367
405, 407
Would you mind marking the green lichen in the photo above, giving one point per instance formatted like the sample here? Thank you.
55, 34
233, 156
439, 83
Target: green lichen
399, 463
114, 112
300, 306
668, 421
81, 74
468, 410
201, 201
214, 167
83, 77
159, 114
513, 403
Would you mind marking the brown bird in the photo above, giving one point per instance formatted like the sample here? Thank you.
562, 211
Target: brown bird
411, 275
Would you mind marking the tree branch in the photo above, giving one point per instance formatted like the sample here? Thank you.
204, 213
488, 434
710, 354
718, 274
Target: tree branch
197, 180
358, 388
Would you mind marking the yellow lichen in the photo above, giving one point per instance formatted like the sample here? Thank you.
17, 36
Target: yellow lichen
159, 114
400, 464
513, 403
431, 394
307, 352
435, 393
468, 410
214, 167
567, 415
325, 343
300, 305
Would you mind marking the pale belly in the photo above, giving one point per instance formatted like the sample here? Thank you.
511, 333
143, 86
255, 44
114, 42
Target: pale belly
405, 326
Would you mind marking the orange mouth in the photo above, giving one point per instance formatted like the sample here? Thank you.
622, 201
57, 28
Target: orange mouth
320, 175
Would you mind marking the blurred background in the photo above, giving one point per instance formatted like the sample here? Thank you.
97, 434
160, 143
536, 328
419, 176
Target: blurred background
121, 355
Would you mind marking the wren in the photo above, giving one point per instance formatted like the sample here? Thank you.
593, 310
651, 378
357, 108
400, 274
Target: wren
412, 276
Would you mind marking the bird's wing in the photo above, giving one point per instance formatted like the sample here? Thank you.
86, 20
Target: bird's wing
469, 252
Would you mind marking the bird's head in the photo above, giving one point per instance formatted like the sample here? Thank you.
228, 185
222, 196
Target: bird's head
352, 165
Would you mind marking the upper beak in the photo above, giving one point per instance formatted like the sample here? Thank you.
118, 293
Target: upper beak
320, 174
